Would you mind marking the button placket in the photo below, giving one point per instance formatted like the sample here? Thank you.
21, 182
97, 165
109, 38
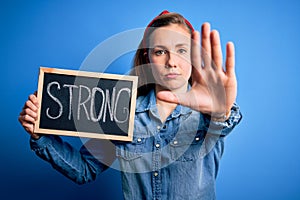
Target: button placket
157, 166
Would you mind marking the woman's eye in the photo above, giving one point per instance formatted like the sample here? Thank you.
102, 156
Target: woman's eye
182, 51
159, 52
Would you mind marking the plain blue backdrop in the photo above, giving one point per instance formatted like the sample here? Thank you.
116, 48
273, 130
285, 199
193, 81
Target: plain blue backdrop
261, 159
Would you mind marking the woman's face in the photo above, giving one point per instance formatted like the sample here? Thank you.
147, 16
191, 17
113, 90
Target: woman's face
170, 57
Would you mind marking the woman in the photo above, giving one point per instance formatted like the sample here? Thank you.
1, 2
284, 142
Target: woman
185, 107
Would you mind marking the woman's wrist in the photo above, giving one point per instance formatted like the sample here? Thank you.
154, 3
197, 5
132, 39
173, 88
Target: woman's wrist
220, 117
35, 136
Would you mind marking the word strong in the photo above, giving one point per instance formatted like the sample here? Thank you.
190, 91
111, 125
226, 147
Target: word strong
86, 104
109, 104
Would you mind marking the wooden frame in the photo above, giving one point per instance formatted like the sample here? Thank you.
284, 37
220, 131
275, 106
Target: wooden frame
103, 76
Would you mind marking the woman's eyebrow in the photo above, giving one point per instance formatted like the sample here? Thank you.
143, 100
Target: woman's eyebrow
177, 45
182, 45
159, 46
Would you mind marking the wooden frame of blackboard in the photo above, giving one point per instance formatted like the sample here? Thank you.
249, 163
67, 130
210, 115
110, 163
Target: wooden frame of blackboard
102, 76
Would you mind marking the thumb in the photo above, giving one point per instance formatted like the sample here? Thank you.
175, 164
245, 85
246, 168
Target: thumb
184, 99
168, 96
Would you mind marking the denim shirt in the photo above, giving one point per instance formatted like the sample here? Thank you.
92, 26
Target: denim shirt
177, 159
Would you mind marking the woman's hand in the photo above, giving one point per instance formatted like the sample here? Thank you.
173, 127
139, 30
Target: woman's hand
29, 115
214, 89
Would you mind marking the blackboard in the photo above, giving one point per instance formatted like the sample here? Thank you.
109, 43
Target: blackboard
86, 104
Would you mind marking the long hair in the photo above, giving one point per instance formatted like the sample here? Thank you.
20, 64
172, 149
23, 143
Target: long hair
141, 64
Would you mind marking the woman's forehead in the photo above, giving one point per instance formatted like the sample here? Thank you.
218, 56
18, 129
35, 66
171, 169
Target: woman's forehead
169, 36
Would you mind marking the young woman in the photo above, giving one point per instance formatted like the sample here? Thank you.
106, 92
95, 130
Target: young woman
185, 108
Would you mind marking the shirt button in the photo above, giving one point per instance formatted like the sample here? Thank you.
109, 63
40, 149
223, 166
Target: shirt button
175, 142
197, 138
139, 139
157, 145
155, 173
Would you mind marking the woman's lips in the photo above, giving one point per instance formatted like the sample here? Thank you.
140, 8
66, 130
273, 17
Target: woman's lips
172, 75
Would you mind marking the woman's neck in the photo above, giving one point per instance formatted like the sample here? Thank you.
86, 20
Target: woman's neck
164, 108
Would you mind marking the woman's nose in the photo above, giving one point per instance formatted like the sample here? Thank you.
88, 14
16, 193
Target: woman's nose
172, 60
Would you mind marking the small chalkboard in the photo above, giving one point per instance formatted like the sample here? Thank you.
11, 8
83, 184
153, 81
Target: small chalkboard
86, 104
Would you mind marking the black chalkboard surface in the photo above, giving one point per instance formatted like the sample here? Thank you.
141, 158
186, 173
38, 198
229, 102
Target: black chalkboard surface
86, 104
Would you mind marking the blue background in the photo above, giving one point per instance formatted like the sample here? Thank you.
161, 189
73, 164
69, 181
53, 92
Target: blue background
261, 159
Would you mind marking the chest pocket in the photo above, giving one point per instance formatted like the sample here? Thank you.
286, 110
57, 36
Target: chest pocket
187, 146
130, 150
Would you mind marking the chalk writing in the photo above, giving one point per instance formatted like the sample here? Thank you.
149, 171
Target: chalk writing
109, 104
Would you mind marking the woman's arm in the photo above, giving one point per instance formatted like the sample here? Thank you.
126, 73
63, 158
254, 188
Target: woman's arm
81, 166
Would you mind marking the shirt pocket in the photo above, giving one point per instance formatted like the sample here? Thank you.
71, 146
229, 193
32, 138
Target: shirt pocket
187, 146
131, 150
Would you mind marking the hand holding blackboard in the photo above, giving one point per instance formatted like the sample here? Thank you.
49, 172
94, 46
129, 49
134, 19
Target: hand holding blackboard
28, 115
86, 104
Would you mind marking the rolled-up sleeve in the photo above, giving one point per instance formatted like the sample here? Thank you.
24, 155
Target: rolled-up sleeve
82, 165
223, 128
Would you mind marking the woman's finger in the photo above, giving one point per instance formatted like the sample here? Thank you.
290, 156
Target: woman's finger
29, 128
206, 45
33, 99
216, 49
196, 53
230, 59
31, 113
30, 104
27, 119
